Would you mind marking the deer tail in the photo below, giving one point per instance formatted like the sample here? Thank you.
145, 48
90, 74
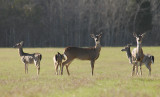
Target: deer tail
152, 59
40, 56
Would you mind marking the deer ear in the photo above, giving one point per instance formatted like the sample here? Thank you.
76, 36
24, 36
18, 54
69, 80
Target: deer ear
100, 34
59, 53
92, 35
21, 42
143, 34
129, 44
134, 34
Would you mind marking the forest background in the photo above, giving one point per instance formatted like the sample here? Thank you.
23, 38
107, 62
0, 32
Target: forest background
60, 23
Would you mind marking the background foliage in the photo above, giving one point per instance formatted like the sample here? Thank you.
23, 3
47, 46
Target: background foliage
69, 22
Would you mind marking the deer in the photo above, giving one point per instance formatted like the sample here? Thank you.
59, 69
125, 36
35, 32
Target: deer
29, 58
57, 59
137, 52
131, 59
90, 53
147, 60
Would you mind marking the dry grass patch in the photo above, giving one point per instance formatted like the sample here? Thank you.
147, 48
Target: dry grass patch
112, 76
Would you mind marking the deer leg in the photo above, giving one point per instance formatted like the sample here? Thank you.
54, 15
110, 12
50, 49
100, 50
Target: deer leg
67, 67
133, 71
60, 68
92, 65
68, 61
137, 70
56, 68
149, 69
25, 68
141, 68
64, 63
38, 69
37, 64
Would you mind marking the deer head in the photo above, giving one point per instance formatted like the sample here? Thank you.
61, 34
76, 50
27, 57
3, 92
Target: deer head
138, 37
96, 37
127, 48
128, 52
18, 45
60, 56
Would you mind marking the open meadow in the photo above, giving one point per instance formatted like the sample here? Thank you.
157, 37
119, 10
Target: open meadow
112, 76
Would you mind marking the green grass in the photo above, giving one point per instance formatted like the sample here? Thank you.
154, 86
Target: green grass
112, 76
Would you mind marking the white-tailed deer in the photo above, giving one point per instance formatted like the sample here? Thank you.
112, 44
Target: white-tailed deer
58, 61
147, 60
130, 57
90, 54
29, 58
137, 53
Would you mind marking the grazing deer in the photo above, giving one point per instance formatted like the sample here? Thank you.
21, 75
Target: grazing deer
29, 58
147, 60
58, 61
90, 54
137, 53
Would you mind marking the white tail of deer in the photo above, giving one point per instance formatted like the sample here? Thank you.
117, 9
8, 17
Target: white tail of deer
29, 58
90, 54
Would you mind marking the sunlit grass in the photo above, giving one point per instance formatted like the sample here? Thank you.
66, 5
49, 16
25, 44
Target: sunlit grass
112, 76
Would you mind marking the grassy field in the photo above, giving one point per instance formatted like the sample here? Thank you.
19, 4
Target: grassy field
112, 76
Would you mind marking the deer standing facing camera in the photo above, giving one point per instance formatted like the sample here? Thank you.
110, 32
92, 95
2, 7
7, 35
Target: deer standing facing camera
91, 53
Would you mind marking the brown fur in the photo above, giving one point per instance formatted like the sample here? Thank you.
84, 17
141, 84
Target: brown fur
90, 54
82, 53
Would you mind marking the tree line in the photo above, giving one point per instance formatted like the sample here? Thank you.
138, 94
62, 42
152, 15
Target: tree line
60, 23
